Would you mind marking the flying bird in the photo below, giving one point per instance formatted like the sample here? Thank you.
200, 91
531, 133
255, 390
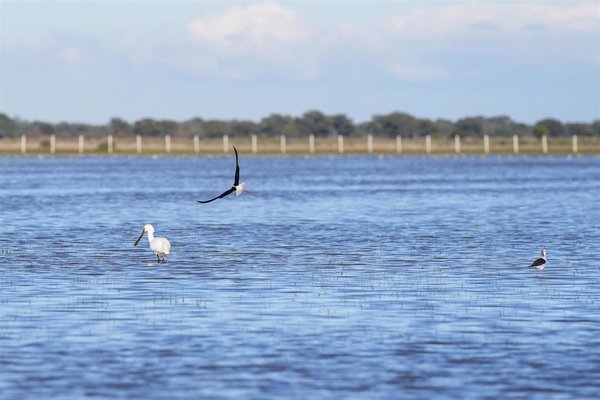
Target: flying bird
540, 263
237, 187
159, 246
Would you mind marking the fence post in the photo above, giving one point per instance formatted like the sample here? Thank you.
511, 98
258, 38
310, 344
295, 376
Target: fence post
254, 144
311, 144
23, 144
457, 144
486, 144
544, 144
225, 144
428, 144
340, 144
282, 144
81, 142
575, 149
398, 144
516, 144
369, 143
52, 144
109, 144
167, 144
196, 144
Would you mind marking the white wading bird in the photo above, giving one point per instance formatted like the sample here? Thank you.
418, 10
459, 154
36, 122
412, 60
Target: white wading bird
159, 246
540, 263
237, 187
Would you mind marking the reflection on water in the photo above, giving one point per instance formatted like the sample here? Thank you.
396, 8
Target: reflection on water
358, 277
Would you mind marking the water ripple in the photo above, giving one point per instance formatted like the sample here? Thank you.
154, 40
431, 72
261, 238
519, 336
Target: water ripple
349, 277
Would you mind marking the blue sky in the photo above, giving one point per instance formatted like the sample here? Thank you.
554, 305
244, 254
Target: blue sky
90, 61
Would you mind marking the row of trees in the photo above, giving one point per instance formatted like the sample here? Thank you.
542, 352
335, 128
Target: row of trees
312, 122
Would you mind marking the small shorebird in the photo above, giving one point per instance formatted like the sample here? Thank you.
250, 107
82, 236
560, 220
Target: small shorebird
540, 263
159, 246
237, 187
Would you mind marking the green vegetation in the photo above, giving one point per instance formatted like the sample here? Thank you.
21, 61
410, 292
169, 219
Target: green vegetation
540, 130
102, 147
311, 122
7, 126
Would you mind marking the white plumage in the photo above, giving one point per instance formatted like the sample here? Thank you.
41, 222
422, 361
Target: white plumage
160, 246
239, 189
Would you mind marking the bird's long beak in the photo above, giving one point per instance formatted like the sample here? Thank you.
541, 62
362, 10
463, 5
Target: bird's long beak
138, 239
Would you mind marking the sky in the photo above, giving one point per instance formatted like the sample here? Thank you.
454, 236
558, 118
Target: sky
90, 61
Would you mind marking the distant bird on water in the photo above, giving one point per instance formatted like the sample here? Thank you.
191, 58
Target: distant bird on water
540, 263
159, 246
237, 187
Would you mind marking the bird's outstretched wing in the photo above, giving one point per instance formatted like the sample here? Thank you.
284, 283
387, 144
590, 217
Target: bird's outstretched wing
237, 169
218, 197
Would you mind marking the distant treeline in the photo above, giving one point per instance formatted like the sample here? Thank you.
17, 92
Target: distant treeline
312, 122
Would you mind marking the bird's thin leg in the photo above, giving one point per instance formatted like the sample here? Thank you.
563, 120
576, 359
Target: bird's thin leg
157, 258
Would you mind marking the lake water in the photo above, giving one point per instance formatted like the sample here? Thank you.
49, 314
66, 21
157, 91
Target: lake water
357, 277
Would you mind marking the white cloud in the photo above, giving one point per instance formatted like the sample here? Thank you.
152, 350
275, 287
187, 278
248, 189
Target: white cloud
498, 19
251, 39
258, 23
256, 28
444, 42
427, 43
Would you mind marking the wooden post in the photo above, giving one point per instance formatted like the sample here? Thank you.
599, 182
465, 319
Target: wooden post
516, 144
282, 144
225, 144
486, 144
311, 144
52, 144
369, 143
196, 144
398, 144
340, 144
254, 144
138, 143
428, 144
457, 144
23, 144
81, 144
167, 144
575, 149
544, 144
109, 144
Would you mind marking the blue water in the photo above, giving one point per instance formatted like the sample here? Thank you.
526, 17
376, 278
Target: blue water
348, 277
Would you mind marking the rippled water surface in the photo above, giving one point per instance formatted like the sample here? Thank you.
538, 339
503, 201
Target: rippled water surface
348, 277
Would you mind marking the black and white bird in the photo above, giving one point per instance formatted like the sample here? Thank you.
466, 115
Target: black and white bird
540, 263
237, 187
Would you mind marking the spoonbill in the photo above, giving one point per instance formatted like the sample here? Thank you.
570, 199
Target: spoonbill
159, 245
540, 263
237, 187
